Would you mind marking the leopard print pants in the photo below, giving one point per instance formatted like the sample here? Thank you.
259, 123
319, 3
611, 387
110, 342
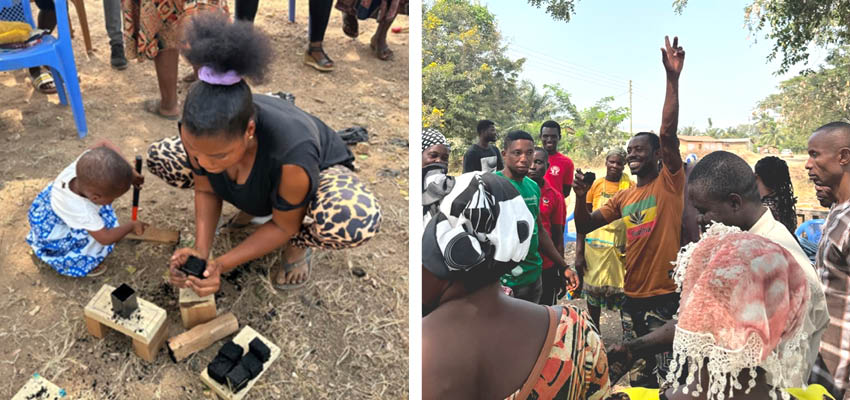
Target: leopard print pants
343, 214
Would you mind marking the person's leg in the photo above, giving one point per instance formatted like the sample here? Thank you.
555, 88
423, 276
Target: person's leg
634, 326
340, 192
112, 18
166, 76
246, 10
658, 316
550, 290
595, 314
320, 13
46, 19
379, 40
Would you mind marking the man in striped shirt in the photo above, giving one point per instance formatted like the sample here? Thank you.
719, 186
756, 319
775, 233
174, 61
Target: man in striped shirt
829, 166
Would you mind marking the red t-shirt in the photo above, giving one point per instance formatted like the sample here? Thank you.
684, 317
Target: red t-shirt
561, 172
553, 211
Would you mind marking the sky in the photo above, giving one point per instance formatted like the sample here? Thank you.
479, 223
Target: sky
607, 43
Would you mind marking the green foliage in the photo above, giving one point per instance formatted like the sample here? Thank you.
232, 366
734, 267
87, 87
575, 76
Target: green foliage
596, 129
466, 75
560, 10
794, 25
808, 101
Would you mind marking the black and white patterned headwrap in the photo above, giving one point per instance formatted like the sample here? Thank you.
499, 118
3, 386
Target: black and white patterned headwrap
431, 136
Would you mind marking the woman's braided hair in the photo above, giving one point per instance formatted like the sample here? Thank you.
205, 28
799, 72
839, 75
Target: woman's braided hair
773, 172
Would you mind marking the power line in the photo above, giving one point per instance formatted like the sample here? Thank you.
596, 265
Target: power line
583, 69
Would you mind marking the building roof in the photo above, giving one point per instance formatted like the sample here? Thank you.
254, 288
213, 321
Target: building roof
709, 139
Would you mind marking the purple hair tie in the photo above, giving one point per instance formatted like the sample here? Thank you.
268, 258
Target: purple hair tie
211, 76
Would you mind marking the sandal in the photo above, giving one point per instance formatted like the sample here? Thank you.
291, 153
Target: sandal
97, 271
383, 53
350, 26
289, 267
152, 106
325, 64
43, 83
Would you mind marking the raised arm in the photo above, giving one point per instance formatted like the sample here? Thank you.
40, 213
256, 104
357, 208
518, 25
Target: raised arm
673, 57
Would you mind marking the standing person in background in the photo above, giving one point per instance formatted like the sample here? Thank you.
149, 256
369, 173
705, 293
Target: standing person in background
601, 254
652, 211
383, 11
777, 191
525, 279
829, 166
320, 14
560, 174
553, 213
483, 156
112, 19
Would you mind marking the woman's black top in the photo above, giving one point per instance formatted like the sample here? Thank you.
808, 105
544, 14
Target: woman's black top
285, 135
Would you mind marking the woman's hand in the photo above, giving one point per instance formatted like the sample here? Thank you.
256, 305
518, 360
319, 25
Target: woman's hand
176, 277
211, 282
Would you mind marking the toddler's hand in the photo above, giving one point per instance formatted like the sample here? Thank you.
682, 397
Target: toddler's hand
138, 179
139, 227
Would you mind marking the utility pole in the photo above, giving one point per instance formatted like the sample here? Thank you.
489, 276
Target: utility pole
631, 111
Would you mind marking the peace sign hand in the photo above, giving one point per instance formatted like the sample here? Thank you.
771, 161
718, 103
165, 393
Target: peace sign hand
673, 57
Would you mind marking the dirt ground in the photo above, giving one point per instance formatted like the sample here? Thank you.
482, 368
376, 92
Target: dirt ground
341, 336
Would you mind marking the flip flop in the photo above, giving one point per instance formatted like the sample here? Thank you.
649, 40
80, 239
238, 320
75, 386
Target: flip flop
288, 267
43, 83
152, 106
190, 77
325, 64
383, 53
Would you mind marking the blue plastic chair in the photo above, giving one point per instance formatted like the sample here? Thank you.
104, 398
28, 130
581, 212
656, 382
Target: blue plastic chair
811, 230
57, 54
569, 236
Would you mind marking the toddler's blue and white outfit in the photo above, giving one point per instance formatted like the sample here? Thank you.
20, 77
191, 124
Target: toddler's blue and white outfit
60, 221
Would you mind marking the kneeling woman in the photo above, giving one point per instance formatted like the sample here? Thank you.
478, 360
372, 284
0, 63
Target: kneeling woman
264, 156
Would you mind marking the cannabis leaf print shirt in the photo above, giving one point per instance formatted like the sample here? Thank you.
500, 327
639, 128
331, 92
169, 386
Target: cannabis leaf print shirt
653, 217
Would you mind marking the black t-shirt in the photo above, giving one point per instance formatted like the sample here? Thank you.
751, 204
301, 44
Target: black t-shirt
285, 135
478, 158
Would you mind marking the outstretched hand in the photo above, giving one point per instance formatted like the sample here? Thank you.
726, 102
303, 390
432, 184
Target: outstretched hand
673, 57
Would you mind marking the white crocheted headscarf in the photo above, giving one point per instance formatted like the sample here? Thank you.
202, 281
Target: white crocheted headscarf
744, 300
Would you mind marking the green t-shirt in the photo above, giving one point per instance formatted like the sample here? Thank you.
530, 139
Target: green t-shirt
532, 265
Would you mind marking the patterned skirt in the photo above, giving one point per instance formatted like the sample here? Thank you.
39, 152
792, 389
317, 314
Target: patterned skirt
154, 25
71, 252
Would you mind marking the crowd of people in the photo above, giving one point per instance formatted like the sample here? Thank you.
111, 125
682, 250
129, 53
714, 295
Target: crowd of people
717, 296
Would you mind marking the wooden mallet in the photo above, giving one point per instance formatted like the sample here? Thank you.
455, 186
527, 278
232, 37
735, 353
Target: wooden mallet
136, 190
151, 233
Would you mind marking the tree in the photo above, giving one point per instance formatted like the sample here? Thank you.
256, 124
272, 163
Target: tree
808, 101
596, 129
560, 10
466, 75
793, 25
